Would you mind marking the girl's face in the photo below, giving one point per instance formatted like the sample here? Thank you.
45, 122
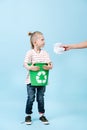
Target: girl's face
40, 42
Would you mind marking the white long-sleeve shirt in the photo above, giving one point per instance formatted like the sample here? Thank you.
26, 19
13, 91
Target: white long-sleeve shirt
34, 57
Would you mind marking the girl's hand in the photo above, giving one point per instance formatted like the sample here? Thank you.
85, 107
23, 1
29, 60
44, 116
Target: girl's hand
47, 67
34, 68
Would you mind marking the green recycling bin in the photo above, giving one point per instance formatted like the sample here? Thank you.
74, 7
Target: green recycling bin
40, 77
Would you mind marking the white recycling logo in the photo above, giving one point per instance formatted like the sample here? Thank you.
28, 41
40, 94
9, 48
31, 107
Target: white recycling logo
39, 74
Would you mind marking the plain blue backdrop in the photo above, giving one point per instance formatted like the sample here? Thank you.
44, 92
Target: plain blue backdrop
66, 95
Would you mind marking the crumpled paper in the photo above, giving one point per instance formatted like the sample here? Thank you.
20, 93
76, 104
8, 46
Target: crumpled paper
58, 49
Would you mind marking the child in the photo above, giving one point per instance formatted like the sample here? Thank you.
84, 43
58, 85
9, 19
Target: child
36, 55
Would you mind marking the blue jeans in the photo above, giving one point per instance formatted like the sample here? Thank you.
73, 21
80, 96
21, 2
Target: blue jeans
31, 91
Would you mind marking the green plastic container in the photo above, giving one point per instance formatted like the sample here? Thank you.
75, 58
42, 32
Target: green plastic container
40, 77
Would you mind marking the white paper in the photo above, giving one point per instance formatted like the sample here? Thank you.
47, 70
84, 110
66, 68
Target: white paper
58, 49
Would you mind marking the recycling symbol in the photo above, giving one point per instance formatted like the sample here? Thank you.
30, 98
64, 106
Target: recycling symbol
41, 77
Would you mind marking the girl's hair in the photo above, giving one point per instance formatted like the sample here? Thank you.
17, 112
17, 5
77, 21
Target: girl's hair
33, 37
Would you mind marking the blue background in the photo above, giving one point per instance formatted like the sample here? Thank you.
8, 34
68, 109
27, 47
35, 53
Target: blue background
66, 96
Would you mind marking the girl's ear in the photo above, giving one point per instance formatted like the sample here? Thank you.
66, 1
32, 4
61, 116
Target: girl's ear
35, 42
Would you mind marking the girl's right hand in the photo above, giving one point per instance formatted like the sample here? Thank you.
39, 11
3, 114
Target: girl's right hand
34, 68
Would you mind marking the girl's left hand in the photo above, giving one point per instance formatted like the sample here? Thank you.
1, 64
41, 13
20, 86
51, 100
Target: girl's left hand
47, 67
